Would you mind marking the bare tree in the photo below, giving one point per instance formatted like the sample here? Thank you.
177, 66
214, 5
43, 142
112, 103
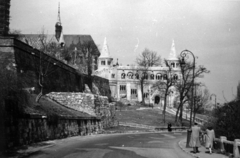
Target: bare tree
185, 85
238, 91
201, 100
144, 61
45, 67
164, 86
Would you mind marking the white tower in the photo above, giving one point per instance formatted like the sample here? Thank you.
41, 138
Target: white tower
172, 58
105, 60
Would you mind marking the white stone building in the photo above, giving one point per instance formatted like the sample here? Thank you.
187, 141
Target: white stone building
124, 82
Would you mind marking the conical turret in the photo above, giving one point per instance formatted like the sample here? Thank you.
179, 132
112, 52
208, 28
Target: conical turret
105, 51
173, 55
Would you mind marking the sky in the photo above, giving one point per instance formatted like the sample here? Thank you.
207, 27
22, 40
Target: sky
208, 28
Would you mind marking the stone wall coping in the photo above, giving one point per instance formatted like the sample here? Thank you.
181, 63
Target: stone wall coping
61, 117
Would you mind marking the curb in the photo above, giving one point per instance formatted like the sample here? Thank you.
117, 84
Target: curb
193, 155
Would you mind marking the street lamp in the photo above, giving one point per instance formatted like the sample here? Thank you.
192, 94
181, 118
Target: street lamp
215, 99
184, 54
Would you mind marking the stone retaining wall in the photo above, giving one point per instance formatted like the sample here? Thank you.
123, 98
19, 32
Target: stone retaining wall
94, 105
32, 130
78, 101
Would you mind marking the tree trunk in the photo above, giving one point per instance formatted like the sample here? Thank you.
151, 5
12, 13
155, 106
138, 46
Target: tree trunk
176, 116
40, 82
181, 114
143, 99
39, 96
164, 108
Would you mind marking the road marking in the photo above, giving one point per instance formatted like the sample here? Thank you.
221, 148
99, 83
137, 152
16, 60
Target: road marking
169, 136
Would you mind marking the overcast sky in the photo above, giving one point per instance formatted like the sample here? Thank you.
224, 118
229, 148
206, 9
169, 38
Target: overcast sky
208, 28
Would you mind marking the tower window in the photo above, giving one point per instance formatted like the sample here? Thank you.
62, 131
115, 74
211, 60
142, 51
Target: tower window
113, 75
122, 89
175, 77
102, 62
123, 75
133, 93
152, 76
109, 62
130, 75
159, 77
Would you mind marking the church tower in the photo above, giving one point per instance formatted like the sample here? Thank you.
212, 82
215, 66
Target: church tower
105, 60
58, 25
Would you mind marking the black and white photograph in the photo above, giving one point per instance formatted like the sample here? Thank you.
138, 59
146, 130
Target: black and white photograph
119, 78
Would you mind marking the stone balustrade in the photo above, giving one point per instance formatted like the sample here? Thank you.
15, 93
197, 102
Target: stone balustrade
226, 146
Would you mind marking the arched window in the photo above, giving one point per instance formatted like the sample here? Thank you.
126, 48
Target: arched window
152, 76
123, 75
136, 76
175, 77
165, 77
158, 76
130, 75
145, 76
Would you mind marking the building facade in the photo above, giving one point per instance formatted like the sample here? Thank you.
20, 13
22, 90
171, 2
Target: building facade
124, 80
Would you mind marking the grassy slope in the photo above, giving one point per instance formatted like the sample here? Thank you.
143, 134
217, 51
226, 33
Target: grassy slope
151, 117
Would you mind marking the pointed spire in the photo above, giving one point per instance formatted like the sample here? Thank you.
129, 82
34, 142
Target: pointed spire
105, 52
59, 19
58, 25
173, 55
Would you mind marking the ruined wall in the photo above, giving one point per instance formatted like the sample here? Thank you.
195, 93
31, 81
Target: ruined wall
60, 77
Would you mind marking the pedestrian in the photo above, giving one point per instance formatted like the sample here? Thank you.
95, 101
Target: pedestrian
194, 141
210, 136
169, 127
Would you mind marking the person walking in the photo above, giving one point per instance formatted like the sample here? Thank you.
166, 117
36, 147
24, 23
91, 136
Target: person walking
194, 141
210, 136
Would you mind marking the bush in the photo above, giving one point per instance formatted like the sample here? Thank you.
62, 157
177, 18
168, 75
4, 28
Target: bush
227, 120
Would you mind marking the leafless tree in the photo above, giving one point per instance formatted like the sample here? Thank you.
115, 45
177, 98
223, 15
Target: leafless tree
185, 85
144, 61
238, 91
201, 100
45, 67
164, 86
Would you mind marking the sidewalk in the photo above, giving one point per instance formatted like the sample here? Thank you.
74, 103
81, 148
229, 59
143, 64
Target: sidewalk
202, 151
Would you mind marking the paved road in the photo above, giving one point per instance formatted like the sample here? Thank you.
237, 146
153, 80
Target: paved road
147, 145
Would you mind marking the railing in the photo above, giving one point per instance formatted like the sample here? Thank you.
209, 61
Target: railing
226, 146
163, 128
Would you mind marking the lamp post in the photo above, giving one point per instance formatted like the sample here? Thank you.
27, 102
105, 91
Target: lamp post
184, 54
215, 105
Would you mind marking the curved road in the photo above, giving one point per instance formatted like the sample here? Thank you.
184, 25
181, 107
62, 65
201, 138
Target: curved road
136, 145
